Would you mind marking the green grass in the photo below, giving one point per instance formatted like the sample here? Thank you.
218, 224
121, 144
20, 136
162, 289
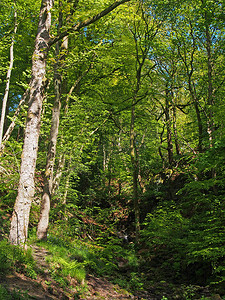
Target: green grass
76, 259
16, 258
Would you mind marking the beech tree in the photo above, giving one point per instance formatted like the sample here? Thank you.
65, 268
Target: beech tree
48, 177
20, 217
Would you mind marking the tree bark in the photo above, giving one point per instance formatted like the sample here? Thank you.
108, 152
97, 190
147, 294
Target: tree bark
58, 174
48, 177
210, 103
193, 94
8, 77
168, 127
67, 184
134, 163
177, 146
21, 212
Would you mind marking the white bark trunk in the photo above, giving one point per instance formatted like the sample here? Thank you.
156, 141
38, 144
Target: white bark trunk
8, 77
48, 179
20, 217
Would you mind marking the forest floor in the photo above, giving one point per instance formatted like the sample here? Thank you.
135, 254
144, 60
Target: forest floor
44, 287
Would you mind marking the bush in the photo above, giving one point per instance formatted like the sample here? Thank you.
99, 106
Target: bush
187, 248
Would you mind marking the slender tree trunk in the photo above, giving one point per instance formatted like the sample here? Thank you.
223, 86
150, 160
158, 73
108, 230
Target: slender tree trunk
140, 180
61, 164
169, 132
67, 184
58, 173
210, 84
177, 146
191, 87
48, 177
141, 53
210, 104
21, 212
8, 77
134, 163
6, 119
70, 169
121, 152
197, 110
161, 145
200, 127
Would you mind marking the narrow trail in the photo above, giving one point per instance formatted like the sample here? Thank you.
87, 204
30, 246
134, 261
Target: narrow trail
41, 288
44, 287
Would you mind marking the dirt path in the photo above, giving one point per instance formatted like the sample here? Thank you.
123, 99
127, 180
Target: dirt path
103, 289
45, 288
41, 288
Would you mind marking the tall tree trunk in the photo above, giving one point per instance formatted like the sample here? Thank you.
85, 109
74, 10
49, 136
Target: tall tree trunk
21, 212
141, 53
134, 164
48, 177
67, 184
191, 87
210, 103
70, 169
197, 110
200, 126
58, 173
61, 163
177, 146
168, 127
140, 180
8, 77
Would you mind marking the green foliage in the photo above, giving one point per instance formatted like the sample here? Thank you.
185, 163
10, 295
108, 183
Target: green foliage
9, 171
72, 258
4, 293
165, 233
64, 261
16, 258
193, 244
5, 262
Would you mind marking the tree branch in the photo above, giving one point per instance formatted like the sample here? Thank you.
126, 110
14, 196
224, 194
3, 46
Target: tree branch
87, 22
